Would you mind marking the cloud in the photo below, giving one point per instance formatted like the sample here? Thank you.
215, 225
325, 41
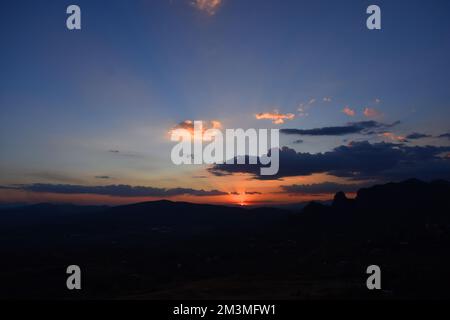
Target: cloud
348, 111
319, 188
445, 135
189, 126
276, 117
351, 128
103, 177
235, 193
371, 113
357, 161
115, 190
392, 136
416, 136
327, 99
303, 111
208, 6
303, 108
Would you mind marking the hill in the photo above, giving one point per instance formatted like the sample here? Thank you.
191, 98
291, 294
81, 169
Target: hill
176, 250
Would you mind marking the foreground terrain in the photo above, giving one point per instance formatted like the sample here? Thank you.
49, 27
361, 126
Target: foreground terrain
168, 250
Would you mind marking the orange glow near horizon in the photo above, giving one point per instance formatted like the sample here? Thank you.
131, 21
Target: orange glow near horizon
242, 190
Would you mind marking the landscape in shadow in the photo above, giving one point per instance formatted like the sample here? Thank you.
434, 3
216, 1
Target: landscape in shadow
175, 250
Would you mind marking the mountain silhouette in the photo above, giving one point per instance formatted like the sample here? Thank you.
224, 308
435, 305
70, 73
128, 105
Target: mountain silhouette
178, 250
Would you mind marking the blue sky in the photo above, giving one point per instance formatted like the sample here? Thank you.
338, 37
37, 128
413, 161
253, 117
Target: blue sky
137, 68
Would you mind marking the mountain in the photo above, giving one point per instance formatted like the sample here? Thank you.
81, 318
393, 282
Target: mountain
179, 218
407, 201
176, 250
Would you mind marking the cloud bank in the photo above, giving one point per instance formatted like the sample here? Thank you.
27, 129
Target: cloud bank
115, 190
357, 161
320, 188
364, 127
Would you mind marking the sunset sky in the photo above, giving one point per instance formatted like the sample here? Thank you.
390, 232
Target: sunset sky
85, 115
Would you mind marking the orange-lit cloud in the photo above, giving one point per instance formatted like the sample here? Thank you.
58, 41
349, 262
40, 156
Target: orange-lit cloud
348, 111
371, 113
189, 126
276, 117
208, 6
393, 137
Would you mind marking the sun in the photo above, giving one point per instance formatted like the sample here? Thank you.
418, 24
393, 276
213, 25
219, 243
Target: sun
238, 198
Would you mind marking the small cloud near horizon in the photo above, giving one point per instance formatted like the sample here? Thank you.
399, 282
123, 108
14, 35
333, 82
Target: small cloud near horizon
126, 191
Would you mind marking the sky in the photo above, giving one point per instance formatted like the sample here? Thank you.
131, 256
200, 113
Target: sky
85, 115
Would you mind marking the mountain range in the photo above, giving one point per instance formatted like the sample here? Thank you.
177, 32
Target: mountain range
175, 250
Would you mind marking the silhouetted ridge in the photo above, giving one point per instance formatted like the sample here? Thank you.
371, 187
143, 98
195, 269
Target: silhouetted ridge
313, 207
341, 201
161, 248
411, 194
407, 197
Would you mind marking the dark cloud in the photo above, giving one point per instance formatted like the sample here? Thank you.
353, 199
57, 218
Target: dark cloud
247, 193
319, 188
299, 141
116, 190
416, 136
363, 127
445, 135
103, 177
358, 160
